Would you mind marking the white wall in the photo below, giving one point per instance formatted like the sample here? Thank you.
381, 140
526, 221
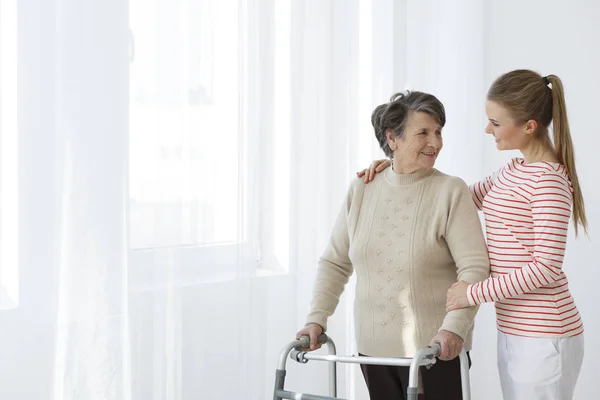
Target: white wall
561, 38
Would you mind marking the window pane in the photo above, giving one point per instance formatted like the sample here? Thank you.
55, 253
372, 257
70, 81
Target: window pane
184, 123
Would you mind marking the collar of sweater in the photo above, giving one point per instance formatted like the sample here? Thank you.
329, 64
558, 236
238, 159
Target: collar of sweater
407, 179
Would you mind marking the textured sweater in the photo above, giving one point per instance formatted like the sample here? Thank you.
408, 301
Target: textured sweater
527, 208
408, 237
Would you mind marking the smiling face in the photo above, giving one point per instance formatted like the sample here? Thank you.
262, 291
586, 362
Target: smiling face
507, 134
418, 147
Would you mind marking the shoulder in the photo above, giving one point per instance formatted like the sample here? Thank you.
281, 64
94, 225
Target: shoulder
537, 169
358, 185
554, 171
546, 173
447, 184
514, 164
448, 194
445, 192
554, 178
357, 188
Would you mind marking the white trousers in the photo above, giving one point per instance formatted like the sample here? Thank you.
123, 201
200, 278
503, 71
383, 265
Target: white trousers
539, 368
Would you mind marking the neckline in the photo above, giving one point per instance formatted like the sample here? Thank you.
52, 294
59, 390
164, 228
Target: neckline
407, 179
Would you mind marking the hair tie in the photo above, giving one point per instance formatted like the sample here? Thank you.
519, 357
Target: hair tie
546, 81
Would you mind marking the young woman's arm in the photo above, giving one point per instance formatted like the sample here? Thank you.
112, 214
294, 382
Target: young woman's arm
551, 210
480, 189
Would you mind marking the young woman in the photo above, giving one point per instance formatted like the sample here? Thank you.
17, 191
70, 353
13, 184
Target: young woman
527, 207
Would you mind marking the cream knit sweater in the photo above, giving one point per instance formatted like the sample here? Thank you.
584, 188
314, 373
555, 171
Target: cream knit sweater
409, 237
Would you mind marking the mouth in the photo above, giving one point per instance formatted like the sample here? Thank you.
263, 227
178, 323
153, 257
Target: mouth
429, 154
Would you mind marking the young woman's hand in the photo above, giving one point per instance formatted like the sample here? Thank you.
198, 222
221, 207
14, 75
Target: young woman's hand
376, 166
456, 297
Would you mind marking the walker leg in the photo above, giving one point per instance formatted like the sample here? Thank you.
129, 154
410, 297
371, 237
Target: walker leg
332, 369
413, 393
465, 379
279, 383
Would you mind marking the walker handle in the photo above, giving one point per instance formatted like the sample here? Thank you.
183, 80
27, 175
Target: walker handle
304, 341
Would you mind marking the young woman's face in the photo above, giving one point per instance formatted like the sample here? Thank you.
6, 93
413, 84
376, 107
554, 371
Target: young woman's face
507, 134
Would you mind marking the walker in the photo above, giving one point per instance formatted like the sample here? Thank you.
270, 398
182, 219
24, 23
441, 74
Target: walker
424, 358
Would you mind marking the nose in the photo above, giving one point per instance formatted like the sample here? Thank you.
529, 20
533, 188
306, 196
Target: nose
488, 128
435, 142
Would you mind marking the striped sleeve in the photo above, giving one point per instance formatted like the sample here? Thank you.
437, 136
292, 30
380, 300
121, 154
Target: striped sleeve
480, 189
551, 210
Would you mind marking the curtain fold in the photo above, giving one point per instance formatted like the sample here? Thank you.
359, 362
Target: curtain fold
92, 323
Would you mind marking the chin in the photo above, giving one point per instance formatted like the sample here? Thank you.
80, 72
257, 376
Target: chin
502, 146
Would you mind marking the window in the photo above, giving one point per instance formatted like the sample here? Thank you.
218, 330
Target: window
203, 113
184, 121
9, 289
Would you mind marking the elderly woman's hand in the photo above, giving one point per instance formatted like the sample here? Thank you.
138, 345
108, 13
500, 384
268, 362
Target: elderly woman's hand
456, 297
375, 167
450, 343
312, 331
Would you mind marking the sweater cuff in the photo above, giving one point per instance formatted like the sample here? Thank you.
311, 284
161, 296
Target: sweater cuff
457, 326
470, 297
317, 318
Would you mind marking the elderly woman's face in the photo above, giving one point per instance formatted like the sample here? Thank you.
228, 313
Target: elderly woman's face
420, 144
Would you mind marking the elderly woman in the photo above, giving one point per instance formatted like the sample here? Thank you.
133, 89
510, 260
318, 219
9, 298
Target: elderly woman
409, 235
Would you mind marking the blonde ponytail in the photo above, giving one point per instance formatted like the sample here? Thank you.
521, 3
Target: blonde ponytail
564, 149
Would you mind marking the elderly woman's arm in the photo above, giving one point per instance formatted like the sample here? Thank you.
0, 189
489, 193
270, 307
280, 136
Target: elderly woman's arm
467, 245
334, 270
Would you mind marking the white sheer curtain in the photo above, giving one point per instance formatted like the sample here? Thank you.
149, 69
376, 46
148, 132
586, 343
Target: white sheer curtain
181, 163
90, 112
448, 59
246, 124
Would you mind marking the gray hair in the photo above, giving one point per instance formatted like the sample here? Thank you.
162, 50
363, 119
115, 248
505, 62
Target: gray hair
394, 115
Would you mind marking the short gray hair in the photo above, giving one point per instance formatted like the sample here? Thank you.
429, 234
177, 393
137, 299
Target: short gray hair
393, 115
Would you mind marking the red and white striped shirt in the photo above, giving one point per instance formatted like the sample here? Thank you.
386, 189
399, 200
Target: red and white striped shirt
527, 208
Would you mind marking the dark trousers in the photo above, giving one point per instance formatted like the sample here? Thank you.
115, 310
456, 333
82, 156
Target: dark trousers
440, 382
